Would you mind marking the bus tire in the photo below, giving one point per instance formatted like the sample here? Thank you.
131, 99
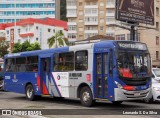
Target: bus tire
86, 97
117, 102
30, 93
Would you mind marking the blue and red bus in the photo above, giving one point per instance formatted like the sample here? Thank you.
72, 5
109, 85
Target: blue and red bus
106, 70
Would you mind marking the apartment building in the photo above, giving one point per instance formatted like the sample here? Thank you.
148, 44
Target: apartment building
11, 10
87, 18
32, 30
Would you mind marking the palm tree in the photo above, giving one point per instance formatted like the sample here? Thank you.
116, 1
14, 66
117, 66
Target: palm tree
58, 38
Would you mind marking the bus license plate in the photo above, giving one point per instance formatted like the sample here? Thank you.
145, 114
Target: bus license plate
137, 94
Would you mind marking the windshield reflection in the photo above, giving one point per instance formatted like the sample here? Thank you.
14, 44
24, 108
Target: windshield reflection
131, 64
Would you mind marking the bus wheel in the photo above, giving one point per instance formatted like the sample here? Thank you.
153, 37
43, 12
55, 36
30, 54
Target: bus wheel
30, 94
86, 97
117, 102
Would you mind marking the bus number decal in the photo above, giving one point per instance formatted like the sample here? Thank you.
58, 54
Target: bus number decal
7, 77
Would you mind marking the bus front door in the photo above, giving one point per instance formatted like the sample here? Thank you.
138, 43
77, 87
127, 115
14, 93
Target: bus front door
45, 74
102, 76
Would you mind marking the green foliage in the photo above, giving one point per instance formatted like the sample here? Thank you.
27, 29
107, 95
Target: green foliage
58, 38
26, 46
4, 45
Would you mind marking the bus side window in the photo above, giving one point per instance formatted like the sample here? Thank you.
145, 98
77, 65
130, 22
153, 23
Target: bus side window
111, 63
55, 61
10, 65
21, 63
81, 60
32, 65
64, 61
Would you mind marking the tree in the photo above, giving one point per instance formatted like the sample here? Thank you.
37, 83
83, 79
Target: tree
57, 39
4, 45
26, 46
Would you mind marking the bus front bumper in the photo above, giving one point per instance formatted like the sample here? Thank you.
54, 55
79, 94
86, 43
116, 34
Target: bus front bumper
122, 95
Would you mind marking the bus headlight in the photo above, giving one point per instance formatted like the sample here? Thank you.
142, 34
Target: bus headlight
118, 85
156, 88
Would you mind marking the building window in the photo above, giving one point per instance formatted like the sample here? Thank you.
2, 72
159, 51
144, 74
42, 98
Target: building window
157, 55
80, 3
72, 27
101, 12
120, 37
101, 28
36, 39
91, 19
101, 20
157, 11
7, 32
110, 34
101, 4
157, 26
53, 30
81, 13
37, 28
81, 29
19, 31
157, 40
81, 60
49, 30
71, 36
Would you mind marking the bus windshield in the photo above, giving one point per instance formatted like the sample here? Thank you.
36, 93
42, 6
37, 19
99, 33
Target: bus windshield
133, 64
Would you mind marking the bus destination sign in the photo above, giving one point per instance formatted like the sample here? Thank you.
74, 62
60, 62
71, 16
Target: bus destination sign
135, 11
134, 46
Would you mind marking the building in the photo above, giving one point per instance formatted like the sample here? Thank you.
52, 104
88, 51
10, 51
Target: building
33, 30
87, 18
22, 9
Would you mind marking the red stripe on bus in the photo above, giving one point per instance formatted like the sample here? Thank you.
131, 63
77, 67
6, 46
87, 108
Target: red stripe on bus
45, 91
38, 82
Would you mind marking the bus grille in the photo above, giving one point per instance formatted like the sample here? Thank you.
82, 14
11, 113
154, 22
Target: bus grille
132, 94
135, 82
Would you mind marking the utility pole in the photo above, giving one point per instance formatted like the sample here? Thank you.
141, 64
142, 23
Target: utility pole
132, 33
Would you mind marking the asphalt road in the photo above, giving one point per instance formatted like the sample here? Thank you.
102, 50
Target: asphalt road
61, 107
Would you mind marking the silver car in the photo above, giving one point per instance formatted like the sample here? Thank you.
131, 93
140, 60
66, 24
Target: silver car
155, 86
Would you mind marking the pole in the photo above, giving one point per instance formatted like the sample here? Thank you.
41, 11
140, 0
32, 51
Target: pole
132, 33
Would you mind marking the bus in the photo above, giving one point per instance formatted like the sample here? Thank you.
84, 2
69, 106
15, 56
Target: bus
109, 70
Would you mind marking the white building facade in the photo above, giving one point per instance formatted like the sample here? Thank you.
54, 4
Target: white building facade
34, 30
15, 10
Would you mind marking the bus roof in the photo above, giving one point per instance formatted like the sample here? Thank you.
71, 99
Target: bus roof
103, 43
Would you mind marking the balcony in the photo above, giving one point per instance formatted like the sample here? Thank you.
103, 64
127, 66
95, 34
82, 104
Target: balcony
91, 23
110, 14
26, 35
72, 23
110, 31
110, 5
92, 14
111, 22
71, 15
91, 31
72, 7
91, 6
72, 31
72, 39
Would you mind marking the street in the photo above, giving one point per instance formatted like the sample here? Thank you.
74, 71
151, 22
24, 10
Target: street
10, 100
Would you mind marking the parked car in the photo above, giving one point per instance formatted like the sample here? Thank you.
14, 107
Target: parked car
1, 81
155, 86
